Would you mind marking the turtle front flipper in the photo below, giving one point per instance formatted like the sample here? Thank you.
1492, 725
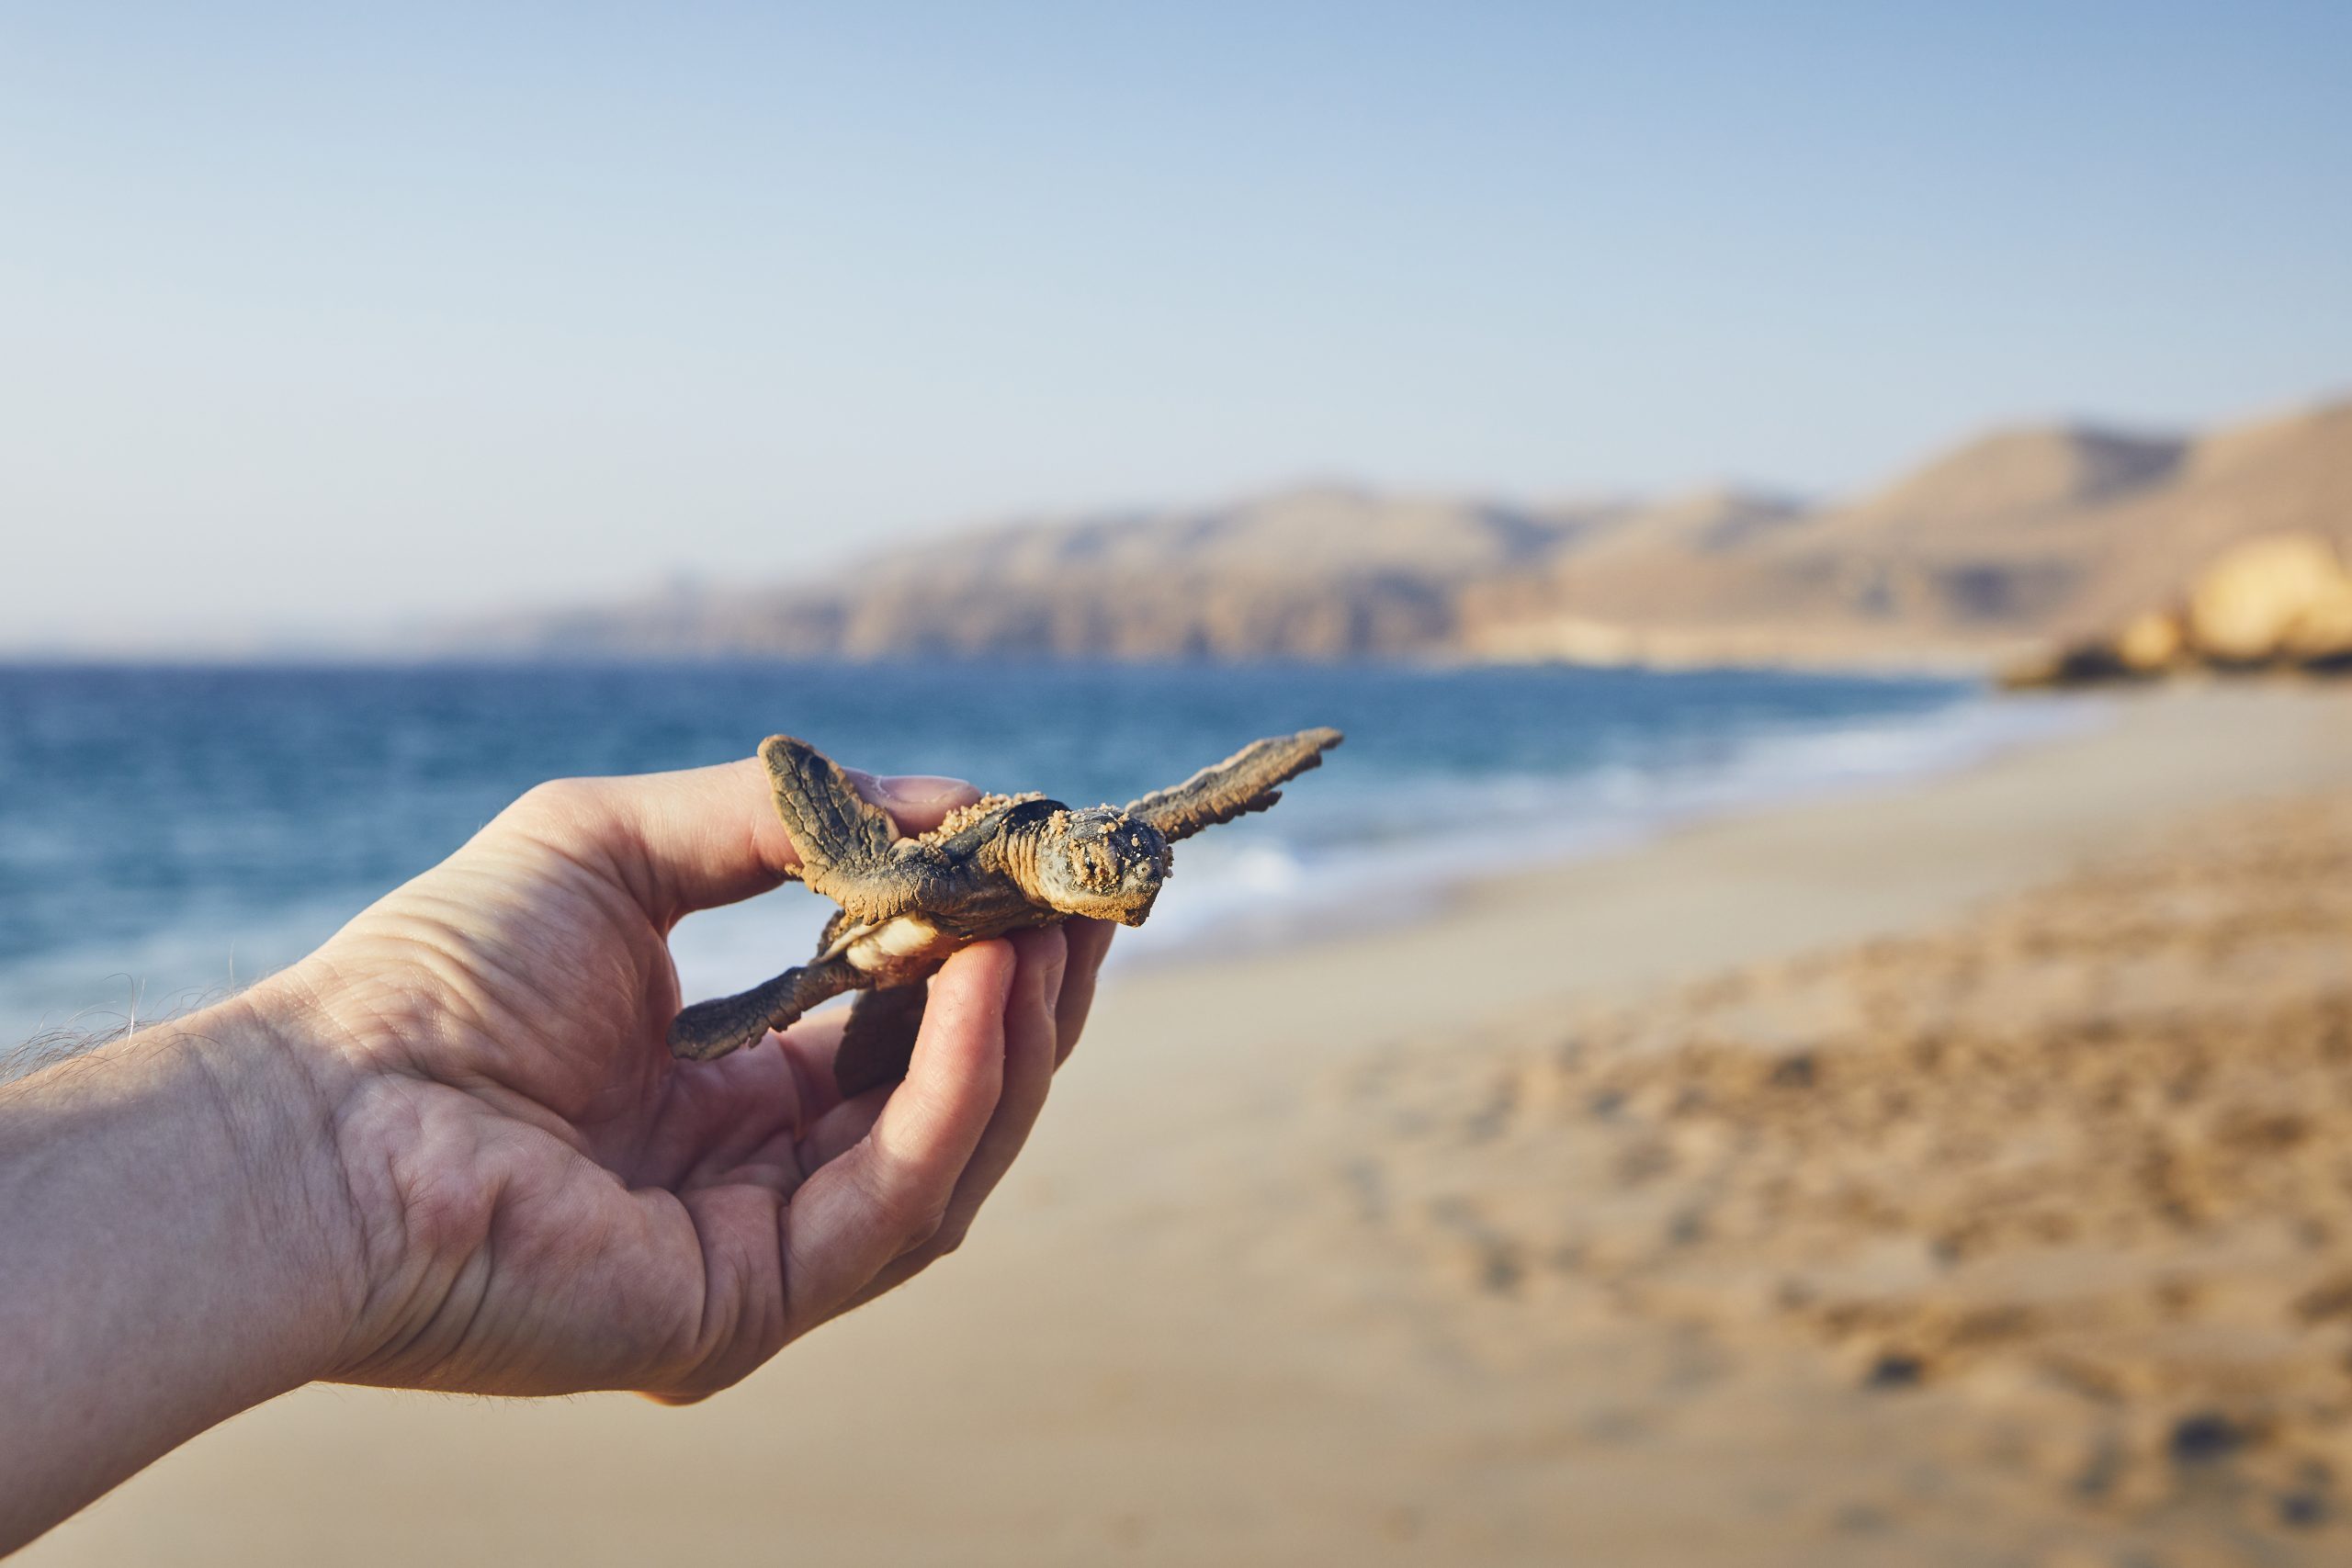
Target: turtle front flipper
879, 1039
1243, 783
832, 826
714, 1028
850, 849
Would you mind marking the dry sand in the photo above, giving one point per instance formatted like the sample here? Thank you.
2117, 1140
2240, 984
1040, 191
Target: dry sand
1959, 1175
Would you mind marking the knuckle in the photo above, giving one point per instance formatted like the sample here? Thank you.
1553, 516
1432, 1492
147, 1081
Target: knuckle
706, 1380
555, 798
928, 1226
900, 1210
560, 811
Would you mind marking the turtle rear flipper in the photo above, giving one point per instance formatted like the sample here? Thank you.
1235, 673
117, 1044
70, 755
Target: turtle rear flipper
728, 1024
879, 1039
1243, 783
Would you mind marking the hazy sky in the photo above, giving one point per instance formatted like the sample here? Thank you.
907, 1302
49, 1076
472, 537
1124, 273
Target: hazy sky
317, 319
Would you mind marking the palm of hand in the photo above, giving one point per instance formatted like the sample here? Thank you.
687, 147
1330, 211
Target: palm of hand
551, 1202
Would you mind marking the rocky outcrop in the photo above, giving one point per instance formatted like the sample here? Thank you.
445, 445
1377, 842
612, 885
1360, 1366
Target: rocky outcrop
2284, 602
2027, 538
2281, 600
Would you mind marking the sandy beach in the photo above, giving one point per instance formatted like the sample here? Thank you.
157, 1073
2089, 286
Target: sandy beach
1960, 1174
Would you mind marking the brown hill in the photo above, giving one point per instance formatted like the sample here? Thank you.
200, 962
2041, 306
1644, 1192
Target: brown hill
2017, 538
2013, 539
1321, 572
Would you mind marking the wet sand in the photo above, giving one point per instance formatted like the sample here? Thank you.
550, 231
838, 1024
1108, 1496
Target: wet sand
1957, 1174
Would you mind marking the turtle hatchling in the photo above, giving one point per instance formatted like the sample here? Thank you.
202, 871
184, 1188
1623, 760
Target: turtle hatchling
999, 864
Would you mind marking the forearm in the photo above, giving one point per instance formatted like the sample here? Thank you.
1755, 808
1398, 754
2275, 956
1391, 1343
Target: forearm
173, 1248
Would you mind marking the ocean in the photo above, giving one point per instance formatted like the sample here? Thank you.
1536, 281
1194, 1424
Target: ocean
167, 833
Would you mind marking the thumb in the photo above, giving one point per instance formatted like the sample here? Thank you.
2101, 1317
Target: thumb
704, 836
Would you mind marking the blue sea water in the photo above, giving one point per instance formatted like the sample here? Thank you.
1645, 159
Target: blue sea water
169, 832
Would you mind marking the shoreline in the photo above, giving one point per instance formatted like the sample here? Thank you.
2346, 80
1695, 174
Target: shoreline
1445, 775
1178, 1334
2178, 749
1978, 731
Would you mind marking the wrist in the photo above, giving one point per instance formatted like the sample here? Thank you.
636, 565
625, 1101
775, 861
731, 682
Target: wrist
233, 1110
176, 1250
266, 1093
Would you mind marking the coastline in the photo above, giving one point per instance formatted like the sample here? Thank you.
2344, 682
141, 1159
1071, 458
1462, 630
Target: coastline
1404, 885
1172, 1339
291, 810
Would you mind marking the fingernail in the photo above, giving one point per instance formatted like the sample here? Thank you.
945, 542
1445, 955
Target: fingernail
923, 789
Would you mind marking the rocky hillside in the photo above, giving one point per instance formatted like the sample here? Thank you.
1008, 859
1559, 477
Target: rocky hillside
2018, 539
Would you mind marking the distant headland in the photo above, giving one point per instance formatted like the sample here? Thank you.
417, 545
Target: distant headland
2019, 540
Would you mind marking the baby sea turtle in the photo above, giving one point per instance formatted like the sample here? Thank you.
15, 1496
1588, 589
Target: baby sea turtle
999, 864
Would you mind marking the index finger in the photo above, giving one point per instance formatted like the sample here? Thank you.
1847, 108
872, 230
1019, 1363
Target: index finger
890, 1192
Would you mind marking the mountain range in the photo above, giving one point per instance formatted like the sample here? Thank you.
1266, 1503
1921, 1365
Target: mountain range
2014, 540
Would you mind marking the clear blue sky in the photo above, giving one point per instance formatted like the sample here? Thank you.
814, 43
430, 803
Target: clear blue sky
321, 316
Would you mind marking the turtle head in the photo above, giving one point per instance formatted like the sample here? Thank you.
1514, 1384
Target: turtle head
1100, 862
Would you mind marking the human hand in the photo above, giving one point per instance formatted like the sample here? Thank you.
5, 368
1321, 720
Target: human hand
541, 1200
